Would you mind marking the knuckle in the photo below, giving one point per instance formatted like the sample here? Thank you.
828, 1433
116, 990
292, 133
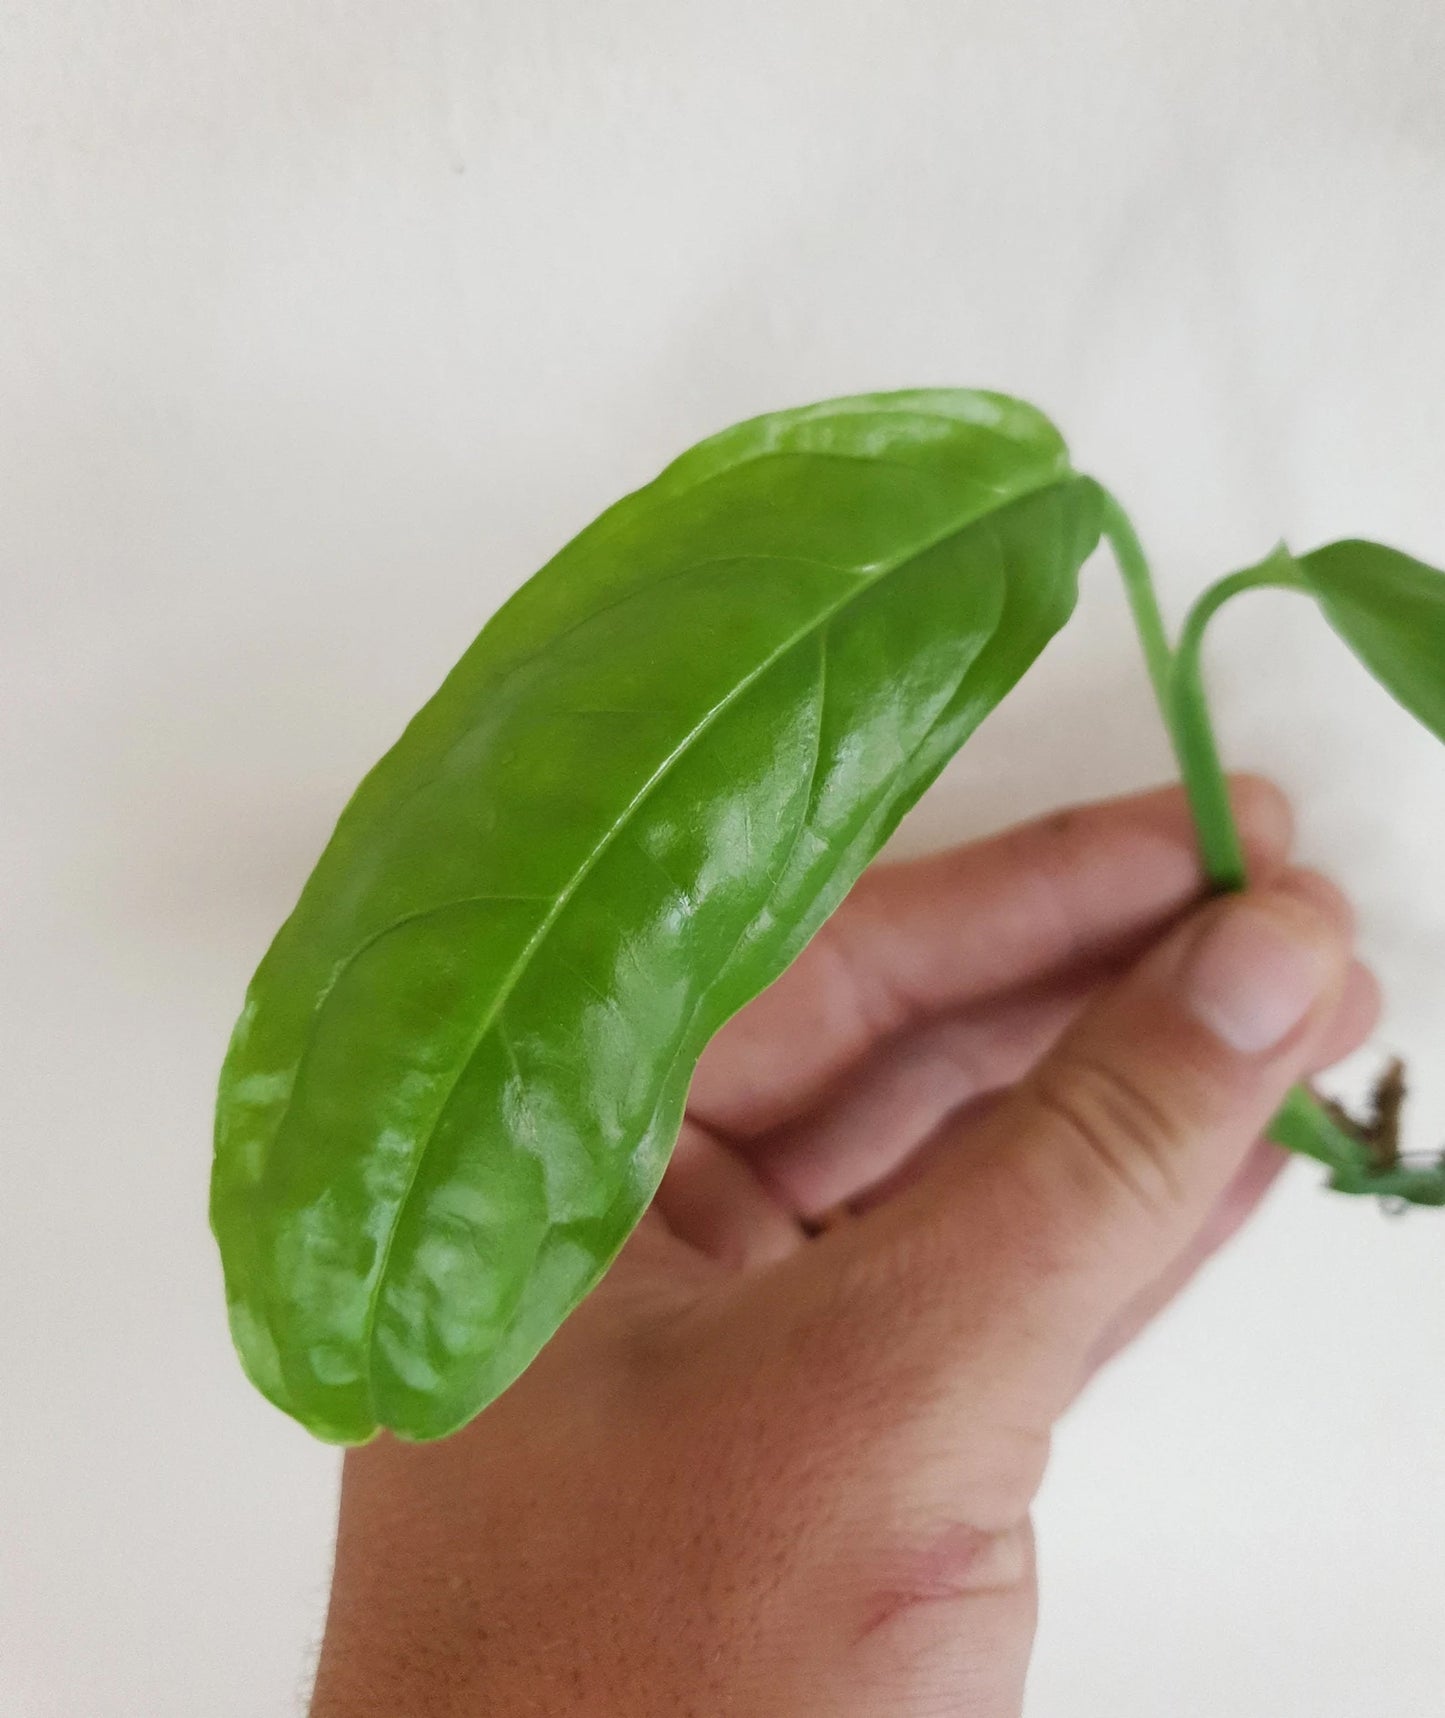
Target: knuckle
1114, 1130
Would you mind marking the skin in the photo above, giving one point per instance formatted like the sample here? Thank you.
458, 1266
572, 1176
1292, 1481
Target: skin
781, 1462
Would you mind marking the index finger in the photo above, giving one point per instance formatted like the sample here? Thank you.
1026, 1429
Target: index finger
1080, 888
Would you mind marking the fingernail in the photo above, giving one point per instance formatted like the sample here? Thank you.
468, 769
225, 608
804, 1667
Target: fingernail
1257, 973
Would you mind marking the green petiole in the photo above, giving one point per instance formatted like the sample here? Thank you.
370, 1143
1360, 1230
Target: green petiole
1187, 712
1143, 598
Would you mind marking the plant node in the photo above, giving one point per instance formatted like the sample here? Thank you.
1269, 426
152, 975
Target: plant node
1379, 1127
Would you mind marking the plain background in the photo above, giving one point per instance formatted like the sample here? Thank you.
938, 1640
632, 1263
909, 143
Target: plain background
323, 324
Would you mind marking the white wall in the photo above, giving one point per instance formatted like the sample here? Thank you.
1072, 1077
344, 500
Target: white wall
322, 324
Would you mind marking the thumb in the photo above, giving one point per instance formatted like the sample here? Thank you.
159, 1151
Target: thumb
1002, 1268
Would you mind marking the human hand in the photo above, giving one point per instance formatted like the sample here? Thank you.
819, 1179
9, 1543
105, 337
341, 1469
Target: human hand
781, 1462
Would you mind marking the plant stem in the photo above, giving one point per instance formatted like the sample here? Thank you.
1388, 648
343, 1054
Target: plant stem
1139, 587
1301, 1124
1193, 731
1177, 676
1181, 702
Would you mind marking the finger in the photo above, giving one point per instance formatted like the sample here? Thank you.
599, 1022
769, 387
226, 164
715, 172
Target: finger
886, 1110
882, 1111
932, 935
713, 1200
748, 1207
1354, 1020
997, 1275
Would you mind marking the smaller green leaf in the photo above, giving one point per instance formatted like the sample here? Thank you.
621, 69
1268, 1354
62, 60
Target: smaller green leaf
1390, 609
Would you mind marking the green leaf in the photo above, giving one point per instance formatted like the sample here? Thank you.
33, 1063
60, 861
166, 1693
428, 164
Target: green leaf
461, 1066
1390, 610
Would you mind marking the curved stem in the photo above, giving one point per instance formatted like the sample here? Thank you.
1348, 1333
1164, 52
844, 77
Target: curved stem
1193, 731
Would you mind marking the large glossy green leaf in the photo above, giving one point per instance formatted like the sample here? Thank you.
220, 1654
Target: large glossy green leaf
462, 1064
1390, 610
